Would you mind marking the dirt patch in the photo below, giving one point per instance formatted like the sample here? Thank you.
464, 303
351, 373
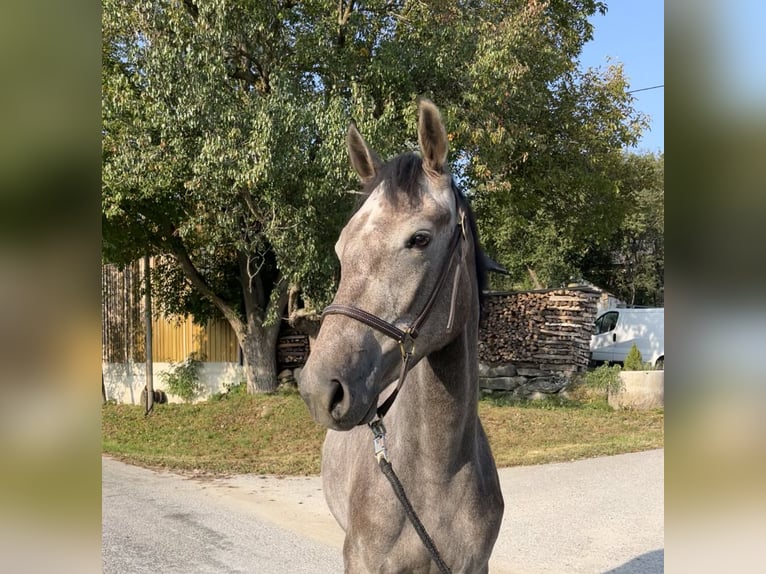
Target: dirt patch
294, 503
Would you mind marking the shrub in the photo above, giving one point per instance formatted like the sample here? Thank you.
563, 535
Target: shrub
604, 378
182, 379
634, 361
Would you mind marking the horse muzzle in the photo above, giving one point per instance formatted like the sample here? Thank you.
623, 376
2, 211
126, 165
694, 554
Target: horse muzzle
334, 402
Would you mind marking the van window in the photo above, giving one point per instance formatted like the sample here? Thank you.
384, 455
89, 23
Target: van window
606, 322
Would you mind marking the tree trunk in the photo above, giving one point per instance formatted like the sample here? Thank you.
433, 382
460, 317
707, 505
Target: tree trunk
260, 358
259, 348
263, 315
258, 341
535, 281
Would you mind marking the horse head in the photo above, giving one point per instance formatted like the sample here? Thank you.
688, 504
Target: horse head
407, 249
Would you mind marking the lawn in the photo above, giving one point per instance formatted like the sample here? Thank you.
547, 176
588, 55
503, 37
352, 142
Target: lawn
274, 434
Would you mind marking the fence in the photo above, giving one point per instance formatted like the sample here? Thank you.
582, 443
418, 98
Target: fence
122, 326
174, 339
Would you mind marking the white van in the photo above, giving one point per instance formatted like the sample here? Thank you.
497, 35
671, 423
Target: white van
617, 329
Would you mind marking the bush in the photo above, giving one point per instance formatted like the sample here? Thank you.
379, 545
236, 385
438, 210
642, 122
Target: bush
182, 380
635, 362
604, 378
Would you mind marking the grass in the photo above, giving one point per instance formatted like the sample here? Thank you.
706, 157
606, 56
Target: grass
274, 434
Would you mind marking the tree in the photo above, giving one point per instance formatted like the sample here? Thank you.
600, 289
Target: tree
224, 124
632, 263
213, 158
546, 142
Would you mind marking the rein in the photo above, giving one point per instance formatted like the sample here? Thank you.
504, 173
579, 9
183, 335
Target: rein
406, 339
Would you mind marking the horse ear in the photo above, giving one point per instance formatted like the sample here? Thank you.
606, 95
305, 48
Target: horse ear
493, 266
366, 162
432, 138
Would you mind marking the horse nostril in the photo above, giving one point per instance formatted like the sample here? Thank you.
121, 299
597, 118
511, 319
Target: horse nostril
336, 401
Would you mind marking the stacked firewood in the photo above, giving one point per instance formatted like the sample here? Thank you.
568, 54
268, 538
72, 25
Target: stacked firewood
546, 329
292, 350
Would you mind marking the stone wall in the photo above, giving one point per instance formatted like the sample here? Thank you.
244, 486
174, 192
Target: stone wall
531, 343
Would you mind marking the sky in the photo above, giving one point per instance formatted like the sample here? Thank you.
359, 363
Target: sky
632, 32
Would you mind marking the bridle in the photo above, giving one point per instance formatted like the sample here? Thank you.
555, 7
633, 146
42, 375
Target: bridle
406, 337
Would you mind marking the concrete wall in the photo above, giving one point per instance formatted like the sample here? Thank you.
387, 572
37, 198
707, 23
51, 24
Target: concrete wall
125, 381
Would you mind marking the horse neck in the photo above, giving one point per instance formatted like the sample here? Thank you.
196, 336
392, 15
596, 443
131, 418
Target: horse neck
436, 414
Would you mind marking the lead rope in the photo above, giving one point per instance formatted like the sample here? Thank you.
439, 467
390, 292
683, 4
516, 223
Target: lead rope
381, 454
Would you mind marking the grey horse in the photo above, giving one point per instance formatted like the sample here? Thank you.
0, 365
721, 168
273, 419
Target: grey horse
411, 246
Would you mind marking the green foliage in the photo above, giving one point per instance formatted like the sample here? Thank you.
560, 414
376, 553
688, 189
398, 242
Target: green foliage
224, 124
631, 264
604, 378
634, 361
552, 402
182, 379
223, 136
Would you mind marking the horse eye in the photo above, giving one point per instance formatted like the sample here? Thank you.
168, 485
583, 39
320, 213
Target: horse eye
419, 239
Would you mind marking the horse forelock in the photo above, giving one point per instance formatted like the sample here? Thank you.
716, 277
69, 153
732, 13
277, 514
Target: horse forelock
400, 177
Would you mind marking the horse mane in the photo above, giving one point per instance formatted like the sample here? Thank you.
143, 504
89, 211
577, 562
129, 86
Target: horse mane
401, 178
482, 271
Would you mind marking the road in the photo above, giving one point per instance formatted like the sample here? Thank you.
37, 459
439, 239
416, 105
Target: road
596, 516
160, 522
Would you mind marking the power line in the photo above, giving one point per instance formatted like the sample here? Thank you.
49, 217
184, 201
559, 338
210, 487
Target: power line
644, 89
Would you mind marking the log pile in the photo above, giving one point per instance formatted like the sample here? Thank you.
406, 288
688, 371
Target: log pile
292, 348
548, 329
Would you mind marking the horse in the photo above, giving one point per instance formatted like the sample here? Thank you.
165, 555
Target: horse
407, 309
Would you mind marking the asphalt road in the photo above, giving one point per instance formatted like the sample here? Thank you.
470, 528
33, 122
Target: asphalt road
154, 522
596, 516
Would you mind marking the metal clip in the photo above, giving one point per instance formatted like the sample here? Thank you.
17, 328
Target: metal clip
379, 439
407, 347
462, 223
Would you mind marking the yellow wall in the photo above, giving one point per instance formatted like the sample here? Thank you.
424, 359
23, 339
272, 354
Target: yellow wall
174, 340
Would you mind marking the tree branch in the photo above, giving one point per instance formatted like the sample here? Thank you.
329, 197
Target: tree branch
253, 290
306, 320
198, 281
344, 13
246, 76
259, 80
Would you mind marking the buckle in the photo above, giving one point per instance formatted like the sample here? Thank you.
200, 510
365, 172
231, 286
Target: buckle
406, 351
379, 439
407, 346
